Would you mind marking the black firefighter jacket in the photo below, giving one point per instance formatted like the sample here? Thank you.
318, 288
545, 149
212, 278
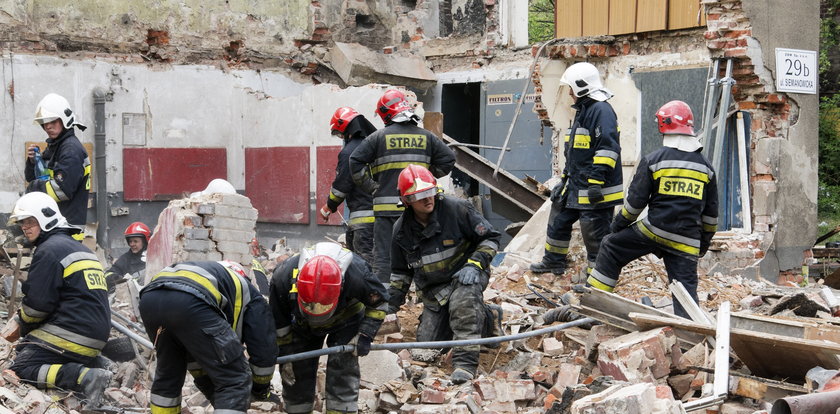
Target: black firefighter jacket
235, 299
430, 256
66, 299
343, 188
68, 168
593, 156
387, 152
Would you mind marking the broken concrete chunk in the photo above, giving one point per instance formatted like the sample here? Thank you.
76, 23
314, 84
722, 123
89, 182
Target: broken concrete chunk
379, 367
434, 409
640, 356
552, 347
635, 399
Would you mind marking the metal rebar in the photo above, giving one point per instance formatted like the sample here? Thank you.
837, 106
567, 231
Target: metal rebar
129, 333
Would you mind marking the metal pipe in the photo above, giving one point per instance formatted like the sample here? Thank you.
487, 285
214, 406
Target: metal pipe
129, 322
458, 144
129, 333
433, 344
819, 403
100, 168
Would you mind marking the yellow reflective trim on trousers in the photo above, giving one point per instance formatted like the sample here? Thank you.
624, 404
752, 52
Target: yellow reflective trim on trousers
82, 265
53, 372
387, 207
555, 249
670, 243
375, 313
604, 161
591, 281
362, 220
51, 192
165, 410
607, 197
681, 172
261, 379
64, 344
396, 166
195, 277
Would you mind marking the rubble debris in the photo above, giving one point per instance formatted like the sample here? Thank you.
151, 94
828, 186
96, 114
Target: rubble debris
640, 356
643, 398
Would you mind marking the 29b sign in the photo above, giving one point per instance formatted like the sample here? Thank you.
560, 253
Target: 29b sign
796, 71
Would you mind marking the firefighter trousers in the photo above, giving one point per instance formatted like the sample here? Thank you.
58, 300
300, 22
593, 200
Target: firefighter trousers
383, 231
594, 225
463, 317
187, 331
342, 385
360, 242
619, 249
44, 368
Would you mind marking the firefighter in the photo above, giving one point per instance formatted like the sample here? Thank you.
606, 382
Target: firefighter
352, 128
678, 186
591, 182
325, 292
445, 247
198, 314
67, 175
377, 161
64, 316
132, 262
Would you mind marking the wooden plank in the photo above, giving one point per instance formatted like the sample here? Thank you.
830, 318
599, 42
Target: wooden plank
826, 252
776, 326
595, 17
651, 15
568, 18
622, 17
683, 14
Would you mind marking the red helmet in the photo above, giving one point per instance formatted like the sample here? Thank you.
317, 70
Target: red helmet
675, 117
416, 183
138, 229
341, 118
390, 104
319, 285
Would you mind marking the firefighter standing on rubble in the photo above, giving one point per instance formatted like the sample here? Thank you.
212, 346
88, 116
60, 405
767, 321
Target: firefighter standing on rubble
198, 314
377, 163
445, 247
591, 183
132, 262
678, 186
67, 176
352, 127
64, 316
325, 292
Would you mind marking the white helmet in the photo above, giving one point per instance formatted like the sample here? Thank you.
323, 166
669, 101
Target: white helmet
585, 80
53, 107
42, 207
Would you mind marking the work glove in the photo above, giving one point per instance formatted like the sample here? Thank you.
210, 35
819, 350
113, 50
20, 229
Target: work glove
468, 275
557, 191
595, 194
362, 343
619, 223
705, 242
325, 212
287, 374
32, 186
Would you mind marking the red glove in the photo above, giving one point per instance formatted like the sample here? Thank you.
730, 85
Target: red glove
325, 212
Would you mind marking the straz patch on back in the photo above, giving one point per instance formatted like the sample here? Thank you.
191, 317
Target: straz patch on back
685, 187
95, 279
405, 141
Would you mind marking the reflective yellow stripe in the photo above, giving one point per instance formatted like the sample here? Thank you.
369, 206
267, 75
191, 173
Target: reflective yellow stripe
594, 181
681, 172
607, 197
604, 160
362, 220
51, 192
627, 214
555, 249
64, 344
87, 174
78, 236
387, 207
294, 289
475, 263
375, 313
336, 198
670, 243
237, 304
195, 278
396, 166
261, 379
29, 319
710, 228
591, 281
53, 372
165, 410
82, 265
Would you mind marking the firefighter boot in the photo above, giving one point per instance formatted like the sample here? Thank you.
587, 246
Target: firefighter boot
461, 375
93, 384
546, 267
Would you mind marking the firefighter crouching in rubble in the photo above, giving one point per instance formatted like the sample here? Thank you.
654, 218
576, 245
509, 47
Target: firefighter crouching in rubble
198, 314
678, 186
445, 246
377, 161
591, 183
353, 128
64, 316
325, 292
132, 262
67, 176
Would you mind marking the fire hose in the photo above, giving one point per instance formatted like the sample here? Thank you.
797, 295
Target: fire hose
432, 344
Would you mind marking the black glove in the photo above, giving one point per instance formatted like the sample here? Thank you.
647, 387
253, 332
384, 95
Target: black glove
32, 186
595, 194
705, 242
557, 191
468, 275
362, 343
619, 223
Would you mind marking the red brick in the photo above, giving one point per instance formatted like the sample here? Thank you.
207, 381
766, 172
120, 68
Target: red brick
733, 34
522, 390
713, 16
549, 400
709, 35
746, 105
430, 396
573, 51
612, 51
737, 52
625, 49
485, 388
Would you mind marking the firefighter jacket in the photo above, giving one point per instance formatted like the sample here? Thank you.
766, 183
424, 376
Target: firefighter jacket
343, 188
680, 191
129, 263
362, 297
380, 158
593, 156
235, 299
430, 256
68, 168
66, 300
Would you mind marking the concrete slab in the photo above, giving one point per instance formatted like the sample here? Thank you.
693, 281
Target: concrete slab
379, 367
358, 66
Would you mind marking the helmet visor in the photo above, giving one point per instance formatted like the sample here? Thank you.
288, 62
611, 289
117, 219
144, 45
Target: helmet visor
429, 192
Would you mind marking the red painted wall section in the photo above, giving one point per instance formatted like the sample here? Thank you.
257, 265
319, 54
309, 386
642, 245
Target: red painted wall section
326, 159
277, 182
167, 173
